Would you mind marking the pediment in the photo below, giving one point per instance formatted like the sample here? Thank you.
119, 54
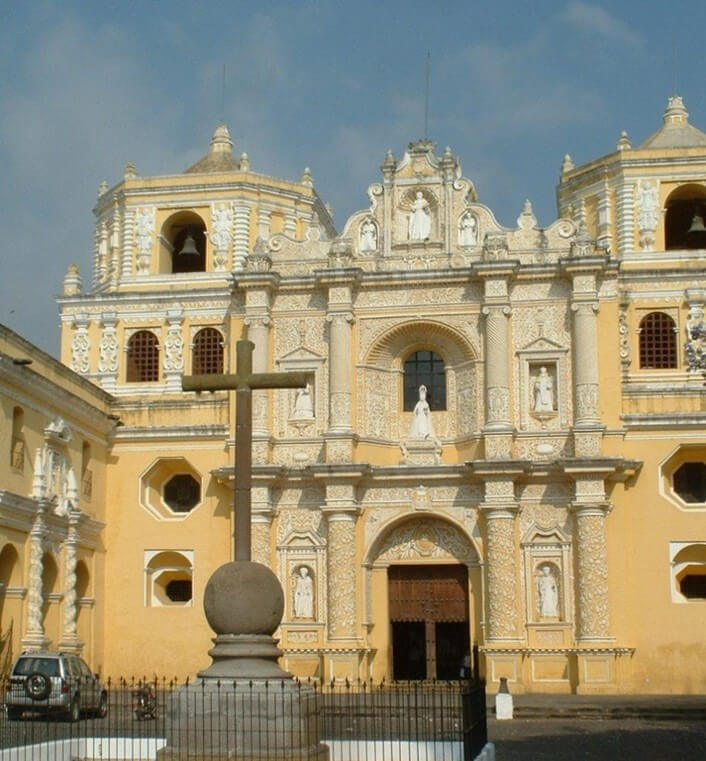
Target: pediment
542, 344
301, 355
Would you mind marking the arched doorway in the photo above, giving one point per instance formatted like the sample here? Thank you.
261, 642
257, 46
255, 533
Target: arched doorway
424, 572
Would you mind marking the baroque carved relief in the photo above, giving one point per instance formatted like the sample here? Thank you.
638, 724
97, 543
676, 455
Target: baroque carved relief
426, 539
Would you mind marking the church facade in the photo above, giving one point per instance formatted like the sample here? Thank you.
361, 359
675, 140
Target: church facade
503, 443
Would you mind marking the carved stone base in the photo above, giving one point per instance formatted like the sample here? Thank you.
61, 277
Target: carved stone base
35, 642
339, 447
71, 645
248, 721
498, 446
587, 443
421, 452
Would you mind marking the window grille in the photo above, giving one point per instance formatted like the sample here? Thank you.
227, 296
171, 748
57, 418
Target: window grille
208, 352
658, 342
143, 358
425, 368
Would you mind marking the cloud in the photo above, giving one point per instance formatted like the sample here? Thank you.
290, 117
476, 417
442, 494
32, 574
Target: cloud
595, 20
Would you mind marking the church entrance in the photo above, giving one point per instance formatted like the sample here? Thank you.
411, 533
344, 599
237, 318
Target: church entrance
429, 620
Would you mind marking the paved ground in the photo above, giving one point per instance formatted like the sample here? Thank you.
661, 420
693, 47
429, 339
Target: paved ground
561, 739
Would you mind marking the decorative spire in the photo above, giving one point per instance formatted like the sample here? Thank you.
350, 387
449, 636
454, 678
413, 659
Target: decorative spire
567, 164
72, 281
221, 142
244, 162
306, 178
130, 172
624, 143
676, 112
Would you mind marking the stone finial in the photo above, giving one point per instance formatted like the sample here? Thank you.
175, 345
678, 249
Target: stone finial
527, 220
567, 164
260, 259
244, 162
329, 209
102, 188
676, 112
130, 172
306, 178
389, 164
624, 143
583, 244
72, 281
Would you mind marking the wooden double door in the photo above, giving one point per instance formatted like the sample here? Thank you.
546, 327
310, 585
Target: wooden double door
429, 620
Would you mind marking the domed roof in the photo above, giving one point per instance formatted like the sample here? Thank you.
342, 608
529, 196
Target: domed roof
676, 132
220, 155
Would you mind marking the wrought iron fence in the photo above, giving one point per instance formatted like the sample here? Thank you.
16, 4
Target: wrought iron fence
171, 721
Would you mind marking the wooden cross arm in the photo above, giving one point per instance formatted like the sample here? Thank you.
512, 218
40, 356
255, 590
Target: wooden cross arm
254, 381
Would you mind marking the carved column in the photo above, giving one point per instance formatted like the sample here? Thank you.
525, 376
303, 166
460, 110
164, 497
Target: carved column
80, 345
592, 572
585, 346
69, 637
263, 223
499, 509
261, 524
496, 309
34, 638
626, 217
128, 232
173, 355
341, 516
290, 225
389, 167
241, 236
604, 237
102, 233
115, 225
258, 288
339, 436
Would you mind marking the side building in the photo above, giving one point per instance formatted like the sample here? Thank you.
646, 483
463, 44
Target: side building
504, 443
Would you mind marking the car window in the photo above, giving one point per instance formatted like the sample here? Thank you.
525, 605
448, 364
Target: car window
46, 666
85, 671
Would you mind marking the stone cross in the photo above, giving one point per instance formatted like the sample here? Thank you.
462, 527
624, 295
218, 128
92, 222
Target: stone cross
243, 382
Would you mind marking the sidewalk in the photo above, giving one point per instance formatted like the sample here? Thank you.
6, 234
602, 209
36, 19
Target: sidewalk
655, 707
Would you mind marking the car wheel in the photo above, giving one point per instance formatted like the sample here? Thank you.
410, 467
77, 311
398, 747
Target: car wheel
13, 714
102, 710
37, 686
74, 713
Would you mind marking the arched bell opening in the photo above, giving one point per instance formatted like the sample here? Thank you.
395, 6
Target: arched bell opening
685, 218
183, 242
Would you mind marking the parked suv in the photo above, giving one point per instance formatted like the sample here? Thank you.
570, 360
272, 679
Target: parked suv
54, 682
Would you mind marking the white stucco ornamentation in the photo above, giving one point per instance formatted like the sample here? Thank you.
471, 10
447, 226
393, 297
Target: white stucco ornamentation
468, 230
368, 236
646, 207
425, 540
108, 346
220, 235
174, 347
144, 232
80, 347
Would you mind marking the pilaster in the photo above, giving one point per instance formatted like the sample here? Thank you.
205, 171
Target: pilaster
108, 352
241, 236
173, 355
34, 638
69, 638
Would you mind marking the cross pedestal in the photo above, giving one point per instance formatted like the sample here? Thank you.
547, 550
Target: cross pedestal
259, 712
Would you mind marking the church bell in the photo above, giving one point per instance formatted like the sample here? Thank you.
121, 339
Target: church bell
697, 225
189, 252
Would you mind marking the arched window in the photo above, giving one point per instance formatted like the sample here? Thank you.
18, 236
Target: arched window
684, 218
143, 357
424, 368
689, 571
169, 575
208, 352
658, 342
183, 243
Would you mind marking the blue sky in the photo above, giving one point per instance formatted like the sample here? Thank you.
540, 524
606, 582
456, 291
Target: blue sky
86, 87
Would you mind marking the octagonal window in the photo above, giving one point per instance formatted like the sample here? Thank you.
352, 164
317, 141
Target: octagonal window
690, 482
169, 578
182, 493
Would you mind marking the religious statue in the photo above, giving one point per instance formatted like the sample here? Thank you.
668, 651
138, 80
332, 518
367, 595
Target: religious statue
419, 219
421, 418
368, 236
303, 406
543, 392
547, 594
304, 594
467, 230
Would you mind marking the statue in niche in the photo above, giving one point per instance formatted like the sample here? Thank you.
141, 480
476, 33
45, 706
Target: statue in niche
543, 392
303, 405
467, 230
421, 418
547, 594
420, 218
368, 236
303, 594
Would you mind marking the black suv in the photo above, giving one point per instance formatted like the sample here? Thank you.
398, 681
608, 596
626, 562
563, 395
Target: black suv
46, 682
